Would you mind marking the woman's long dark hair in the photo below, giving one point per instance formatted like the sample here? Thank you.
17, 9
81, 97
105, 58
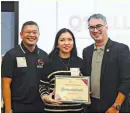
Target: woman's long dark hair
55, 50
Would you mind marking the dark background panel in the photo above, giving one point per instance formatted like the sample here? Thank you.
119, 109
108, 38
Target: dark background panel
7, 6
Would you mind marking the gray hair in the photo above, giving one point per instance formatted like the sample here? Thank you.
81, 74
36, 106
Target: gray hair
98, 16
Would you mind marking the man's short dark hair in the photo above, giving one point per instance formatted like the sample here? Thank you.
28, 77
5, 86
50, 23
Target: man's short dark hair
29, 23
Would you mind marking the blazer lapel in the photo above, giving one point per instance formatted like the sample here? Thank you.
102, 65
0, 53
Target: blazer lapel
106, 56
90, 59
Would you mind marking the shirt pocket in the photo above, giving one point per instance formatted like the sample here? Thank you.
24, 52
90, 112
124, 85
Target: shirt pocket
20, 71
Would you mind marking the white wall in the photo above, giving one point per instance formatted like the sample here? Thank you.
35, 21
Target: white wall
54, 15
44, 14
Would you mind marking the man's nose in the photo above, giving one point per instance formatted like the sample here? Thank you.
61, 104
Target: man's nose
31, 34
95, 29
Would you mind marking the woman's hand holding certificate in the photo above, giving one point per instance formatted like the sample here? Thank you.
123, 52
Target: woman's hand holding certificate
48, 99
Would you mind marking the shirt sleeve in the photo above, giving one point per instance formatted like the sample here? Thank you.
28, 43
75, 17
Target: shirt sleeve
124, 67
7, 66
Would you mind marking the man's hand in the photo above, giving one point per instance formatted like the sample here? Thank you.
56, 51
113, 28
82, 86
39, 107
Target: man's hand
48, 99
11, 111
112, 110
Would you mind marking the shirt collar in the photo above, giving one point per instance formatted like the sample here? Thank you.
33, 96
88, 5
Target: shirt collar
25, 50
101, 48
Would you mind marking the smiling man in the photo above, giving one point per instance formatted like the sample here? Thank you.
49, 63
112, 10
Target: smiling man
108, 64
21, 71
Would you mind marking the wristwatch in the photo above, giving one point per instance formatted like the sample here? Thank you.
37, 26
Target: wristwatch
117, 106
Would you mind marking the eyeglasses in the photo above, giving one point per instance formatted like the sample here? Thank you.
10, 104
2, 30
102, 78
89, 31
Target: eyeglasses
98, 27
32, 32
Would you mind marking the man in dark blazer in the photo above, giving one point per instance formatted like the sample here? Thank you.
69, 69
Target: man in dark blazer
108, 64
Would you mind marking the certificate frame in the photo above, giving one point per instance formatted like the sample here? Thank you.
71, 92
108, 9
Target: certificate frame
72, 89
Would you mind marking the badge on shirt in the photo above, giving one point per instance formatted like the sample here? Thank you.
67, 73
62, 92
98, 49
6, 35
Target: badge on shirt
75, 71
40, 63
21, 62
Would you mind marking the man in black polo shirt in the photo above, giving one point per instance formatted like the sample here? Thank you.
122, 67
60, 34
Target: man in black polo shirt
22, 67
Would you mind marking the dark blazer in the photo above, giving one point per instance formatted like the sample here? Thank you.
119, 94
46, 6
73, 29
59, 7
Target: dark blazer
115, 71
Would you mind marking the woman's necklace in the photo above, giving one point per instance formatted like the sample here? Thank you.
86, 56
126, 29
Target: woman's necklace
65, 64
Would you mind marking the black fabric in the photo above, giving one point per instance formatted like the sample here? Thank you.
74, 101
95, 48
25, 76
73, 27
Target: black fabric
95, 106
37, 107
25, 80
65, 112
115, 72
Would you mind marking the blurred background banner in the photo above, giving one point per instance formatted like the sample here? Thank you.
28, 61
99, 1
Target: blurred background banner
53, 15
9, 25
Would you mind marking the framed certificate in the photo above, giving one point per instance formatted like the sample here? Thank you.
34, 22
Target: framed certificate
72, 89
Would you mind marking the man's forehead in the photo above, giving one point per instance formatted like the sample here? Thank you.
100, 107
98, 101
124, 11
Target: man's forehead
30, 27
94, 21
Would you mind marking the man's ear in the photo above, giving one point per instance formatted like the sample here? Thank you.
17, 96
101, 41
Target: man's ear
107, 27
21, 35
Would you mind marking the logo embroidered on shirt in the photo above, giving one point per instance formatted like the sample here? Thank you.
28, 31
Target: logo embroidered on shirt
40, 63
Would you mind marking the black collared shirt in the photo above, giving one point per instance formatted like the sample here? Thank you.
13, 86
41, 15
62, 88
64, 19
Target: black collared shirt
25, 69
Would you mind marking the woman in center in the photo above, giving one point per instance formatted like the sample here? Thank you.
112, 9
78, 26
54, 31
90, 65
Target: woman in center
63, 57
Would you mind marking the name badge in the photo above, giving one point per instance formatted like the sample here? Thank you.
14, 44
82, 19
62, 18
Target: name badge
75, 71
21, 62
